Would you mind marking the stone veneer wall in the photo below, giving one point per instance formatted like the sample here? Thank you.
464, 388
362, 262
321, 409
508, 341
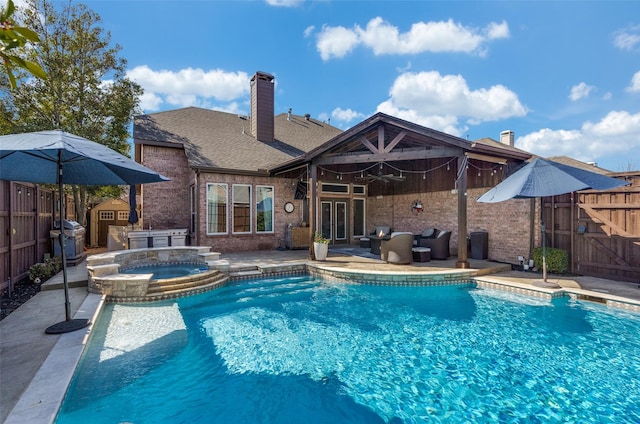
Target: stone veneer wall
508, 223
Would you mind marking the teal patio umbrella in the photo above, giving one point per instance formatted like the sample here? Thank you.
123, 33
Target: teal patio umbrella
58, 157
543, 178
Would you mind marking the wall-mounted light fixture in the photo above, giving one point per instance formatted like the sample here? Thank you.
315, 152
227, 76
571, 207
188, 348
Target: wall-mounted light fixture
417, 207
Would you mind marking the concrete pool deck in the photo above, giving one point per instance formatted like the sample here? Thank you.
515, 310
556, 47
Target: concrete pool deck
35, 368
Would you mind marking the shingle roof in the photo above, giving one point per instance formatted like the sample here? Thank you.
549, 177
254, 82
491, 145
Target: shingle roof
221, 140
565, 160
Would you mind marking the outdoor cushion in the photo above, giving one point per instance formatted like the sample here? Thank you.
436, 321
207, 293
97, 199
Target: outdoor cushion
397, 233
429, 232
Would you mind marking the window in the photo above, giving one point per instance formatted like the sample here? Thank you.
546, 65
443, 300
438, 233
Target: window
123, 215
217, 208
241, 208
193, 208
359, 224
107, 215
264, 209
359, 189
335, 188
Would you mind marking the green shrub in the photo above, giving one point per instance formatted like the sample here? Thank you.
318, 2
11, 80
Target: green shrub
557, 259
41, 272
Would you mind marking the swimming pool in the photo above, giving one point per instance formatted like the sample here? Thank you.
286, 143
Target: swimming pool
304, 350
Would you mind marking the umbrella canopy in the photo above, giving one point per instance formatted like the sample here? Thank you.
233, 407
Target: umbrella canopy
51, 157
542, 178
35, 157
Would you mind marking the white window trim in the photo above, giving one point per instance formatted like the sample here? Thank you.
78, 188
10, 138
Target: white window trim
322, 190
207, 209
107, 216
364, 218
273, 209
233, 218
364, 190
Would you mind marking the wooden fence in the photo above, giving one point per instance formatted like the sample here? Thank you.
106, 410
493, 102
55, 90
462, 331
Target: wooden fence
27, 213
599, 229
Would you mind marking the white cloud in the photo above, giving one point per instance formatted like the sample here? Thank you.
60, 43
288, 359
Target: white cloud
346, 115
188, 87
628, 38
580, 91
384, 38
309, 31
336, 42
635, 83
615, 134
284, 3
441, 101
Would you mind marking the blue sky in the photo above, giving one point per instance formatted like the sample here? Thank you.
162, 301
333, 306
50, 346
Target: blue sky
564, 76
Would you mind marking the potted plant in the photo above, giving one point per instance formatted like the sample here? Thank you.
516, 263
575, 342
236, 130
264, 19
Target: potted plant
320, 246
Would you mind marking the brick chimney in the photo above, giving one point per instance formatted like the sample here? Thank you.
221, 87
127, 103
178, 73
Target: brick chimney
506, 137
262, 107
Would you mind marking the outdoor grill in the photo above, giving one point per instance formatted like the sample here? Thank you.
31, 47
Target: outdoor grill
74, 241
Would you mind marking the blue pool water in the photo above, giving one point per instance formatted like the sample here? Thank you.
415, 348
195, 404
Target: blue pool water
296, 350
168, 270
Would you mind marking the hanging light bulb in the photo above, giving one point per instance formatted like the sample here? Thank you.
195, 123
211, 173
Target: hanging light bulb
424, 176
448, 168
479, 173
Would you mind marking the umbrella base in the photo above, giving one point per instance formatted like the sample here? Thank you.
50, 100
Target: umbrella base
67, 326
545, 284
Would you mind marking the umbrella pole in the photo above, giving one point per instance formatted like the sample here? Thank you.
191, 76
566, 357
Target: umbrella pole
67, 303
68, 324
544, 253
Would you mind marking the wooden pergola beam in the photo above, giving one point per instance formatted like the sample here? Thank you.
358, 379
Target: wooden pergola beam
435, 153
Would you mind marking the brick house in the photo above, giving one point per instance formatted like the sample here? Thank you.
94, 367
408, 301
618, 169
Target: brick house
240, 183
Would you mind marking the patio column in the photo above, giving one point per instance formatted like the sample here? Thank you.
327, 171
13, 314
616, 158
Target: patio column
462, 213
312, 191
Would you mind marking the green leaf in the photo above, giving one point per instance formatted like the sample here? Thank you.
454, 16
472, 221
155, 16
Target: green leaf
27, 33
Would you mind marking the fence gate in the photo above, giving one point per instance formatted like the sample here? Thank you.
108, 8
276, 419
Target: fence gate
26, 217
600, 230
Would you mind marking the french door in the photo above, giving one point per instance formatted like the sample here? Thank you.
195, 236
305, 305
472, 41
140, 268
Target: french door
334, 221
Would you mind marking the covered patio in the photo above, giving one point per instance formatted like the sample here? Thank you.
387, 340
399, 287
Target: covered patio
391, 172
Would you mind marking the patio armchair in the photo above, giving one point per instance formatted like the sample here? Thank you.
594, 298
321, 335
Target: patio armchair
439, 245
397, 249
428, 233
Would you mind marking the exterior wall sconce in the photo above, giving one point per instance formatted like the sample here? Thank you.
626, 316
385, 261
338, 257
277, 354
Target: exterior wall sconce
417, 207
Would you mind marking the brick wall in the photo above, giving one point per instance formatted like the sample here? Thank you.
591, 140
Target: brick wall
165, 205
508, 223
284, 190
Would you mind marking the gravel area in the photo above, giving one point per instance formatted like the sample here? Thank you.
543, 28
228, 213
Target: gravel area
21, 292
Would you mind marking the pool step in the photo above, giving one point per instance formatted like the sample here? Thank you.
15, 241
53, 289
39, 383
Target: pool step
244, 271
173, 287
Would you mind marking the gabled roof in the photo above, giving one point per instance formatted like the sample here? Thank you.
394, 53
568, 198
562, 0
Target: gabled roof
413, 137
221, 141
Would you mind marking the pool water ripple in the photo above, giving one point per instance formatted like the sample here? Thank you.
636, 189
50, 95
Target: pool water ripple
300, 350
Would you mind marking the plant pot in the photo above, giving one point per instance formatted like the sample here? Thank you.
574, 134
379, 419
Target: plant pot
320, 250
